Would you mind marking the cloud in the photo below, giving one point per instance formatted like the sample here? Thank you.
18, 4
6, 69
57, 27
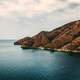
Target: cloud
34, 7
74, 5
28, 7
74, 1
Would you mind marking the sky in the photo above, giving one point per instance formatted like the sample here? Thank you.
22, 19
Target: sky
21, 18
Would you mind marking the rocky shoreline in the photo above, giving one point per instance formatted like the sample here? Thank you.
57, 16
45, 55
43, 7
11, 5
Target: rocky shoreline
64, 39
58, 50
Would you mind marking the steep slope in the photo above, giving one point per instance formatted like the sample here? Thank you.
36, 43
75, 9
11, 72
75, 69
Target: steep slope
64, 38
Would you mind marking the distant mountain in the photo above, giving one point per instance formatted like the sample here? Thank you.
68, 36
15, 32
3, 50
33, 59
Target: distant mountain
64, 38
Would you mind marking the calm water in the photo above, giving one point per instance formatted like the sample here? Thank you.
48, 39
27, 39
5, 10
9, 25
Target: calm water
18, 64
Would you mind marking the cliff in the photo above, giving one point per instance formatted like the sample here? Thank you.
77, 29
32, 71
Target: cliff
65, 38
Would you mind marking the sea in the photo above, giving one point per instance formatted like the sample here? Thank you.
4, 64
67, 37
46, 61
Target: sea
36, 64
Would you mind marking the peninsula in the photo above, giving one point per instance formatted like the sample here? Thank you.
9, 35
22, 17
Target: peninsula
65, 38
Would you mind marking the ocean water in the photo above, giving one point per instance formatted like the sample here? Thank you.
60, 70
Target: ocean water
18, 64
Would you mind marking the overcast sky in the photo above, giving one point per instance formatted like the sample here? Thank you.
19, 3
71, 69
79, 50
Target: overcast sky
20, 18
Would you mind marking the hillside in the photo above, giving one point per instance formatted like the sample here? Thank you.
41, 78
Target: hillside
64, 38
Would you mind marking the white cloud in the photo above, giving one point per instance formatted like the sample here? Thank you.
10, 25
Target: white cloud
32, 7
74, 1
28, 7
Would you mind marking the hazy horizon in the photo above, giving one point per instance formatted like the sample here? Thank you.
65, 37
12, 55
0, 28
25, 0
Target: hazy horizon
21, 18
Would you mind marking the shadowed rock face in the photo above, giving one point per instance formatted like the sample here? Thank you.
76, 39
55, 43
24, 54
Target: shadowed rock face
65, 38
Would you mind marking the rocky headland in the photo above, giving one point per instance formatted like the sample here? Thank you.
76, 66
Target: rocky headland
65, 38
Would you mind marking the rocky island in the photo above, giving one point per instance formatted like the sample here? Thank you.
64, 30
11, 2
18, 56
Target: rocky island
65, 38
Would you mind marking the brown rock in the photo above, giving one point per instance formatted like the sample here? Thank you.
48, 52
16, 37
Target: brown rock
73, 45
64, 38
40, 40
26, 40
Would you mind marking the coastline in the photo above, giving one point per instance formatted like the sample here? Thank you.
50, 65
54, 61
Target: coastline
48, 49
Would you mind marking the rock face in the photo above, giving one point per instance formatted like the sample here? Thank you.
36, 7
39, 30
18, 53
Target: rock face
40, 39
64, 38
26, 41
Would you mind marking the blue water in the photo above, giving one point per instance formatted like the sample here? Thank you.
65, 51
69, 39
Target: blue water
18, 64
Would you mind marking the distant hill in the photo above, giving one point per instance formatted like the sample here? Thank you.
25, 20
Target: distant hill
64, 38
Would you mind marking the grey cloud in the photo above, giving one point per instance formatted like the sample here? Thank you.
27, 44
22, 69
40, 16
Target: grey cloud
63, 0
68, 7
61, 10
38, 1
73, 5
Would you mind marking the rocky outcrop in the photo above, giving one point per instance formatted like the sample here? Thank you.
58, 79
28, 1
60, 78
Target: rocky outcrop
64, 38
25, 41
